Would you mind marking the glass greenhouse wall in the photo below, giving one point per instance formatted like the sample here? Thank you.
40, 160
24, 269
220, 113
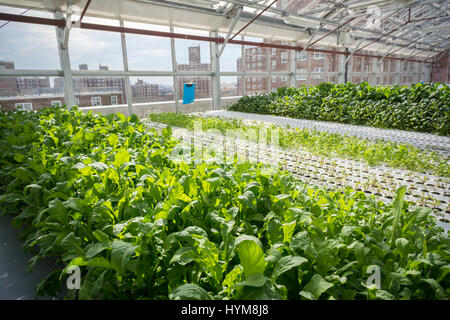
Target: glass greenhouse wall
110, 69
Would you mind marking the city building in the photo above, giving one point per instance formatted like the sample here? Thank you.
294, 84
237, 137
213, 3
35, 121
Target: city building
143, 92
33, 93
32, 85
8, 85
203, 85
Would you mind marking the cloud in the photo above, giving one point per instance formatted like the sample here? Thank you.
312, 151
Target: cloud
94, 47
35, 47
22, 42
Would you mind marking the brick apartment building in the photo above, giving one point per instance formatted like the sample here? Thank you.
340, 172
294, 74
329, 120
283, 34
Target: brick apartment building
89, 84
33, 93
150, 92
203, 85
279, 60
8, 85
143, 91
44, 100
28, 85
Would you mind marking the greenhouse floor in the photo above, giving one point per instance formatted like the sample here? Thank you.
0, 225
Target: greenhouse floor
15, 282
424, 141
423, 189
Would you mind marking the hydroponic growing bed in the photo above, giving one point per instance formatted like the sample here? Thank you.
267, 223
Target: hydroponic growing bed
423, 189
107, 196
440, 144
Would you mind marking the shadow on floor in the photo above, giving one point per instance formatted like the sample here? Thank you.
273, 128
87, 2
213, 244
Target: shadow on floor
15, 282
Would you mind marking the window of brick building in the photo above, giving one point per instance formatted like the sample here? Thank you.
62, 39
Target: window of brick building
96, 101
114, 100
301, 55
319, 56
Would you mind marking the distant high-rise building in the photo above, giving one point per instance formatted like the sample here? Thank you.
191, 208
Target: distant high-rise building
203, 85
143, 92
8, 85
32, 85
36, 92
194, 55
7, 65
105, 68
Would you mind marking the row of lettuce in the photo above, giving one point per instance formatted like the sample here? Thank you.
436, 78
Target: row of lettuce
373, 153
102, 194
420, 107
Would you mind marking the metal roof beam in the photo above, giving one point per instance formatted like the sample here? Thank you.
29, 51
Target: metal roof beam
325, 21
256, 17
230, 31
438, 55
84, 10
335, 29
413, 55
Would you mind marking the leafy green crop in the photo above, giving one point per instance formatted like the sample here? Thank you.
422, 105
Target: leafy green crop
421, 107
102, 194
386, 153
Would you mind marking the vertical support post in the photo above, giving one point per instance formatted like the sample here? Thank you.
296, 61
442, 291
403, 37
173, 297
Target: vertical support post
308, 60
388, 72
174, 69
293, 67
325, 67
422, 72
343, 63
380, 71
244, 68
431, 72
448, 64
398, 76
126, 68
64, 60
269, 70
350, 66
363, 68
215, 63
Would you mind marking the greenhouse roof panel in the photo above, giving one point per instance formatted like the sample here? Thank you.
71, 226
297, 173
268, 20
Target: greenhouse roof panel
413, 27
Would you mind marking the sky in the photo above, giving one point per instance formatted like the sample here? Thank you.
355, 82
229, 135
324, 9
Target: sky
34, 47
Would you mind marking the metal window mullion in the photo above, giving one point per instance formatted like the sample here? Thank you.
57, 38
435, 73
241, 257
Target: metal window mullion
388, 71
293, 67
215, 64
126, 68
174, 69
448, 64
380, 71
112, 73
269, 70
342, 69
244, 68
64, 60
363, 68
308, 60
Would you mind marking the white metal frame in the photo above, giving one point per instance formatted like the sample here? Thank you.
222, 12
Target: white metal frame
116, 99
23, 104
53, 103
93, 103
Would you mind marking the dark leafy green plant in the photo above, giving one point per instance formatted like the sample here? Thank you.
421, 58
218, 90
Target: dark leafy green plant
421, 107
103, 194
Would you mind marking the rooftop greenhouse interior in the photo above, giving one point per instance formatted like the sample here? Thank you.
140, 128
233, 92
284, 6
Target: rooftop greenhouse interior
224, 150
